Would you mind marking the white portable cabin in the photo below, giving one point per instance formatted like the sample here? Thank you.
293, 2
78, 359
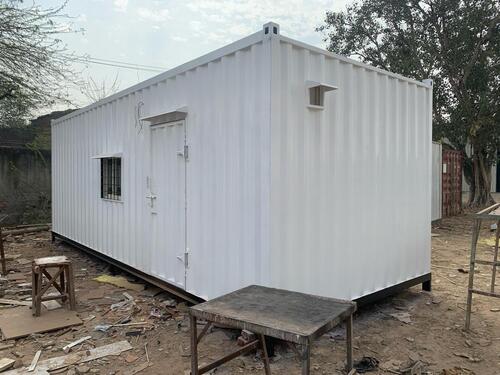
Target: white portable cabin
267, 162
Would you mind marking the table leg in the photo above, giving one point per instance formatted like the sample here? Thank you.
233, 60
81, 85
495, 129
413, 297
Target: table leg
348, 326
194, 346
267, 368
38, 296
306, 359
34, 289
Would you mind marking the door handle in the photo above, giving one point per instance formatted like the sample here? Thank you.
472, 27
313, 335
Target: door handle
151, 198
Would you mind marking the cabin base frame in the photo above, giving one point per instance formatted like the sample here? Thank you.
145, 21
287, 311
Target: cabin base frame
425, 280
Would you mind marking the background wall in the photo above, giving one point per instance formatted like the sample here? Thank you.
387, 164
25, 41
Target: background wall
24, 185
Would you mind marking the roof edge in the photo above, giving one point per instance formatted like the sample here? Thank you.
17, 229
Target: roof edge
199, 61
352, 61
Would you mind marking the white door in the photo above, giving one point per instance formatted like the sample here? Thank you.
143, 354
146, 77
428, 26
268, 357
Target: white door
167, 201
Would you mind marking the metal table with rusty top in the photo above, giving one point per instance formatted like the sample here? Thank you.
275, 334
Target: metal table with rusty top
294, 317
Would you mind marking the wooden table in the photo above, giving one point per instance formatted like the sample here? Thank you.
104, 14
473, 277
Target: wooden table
294, 317
489, 214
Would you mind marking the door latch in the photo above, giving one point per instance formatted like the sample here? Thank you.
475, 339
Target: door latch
151, 198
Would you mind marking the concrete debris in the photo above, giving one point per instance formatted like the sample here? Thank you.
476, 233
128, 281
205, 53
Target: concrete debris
402, 317
51, 305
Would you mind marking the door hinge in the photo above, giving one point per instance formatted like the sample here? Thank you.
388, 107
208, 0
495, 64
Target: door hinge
184, 152
185, 258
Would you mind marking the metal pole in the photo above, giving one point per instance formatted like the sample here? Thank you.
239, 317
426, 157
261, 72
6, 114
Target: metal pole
348, 326
475, 237
495, 259
2, 254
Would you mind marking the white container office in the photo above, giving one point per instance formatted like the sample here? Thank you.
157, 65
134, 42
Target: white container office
267, 162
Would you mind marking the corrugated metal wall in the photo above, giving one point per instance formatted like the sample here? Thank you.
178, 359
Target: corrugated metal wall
351, 184
333, 202
227, 172
437, 181
452, 182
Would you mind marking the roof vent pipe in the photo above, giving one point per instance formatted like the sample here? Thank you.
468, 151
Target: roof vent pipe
271, 28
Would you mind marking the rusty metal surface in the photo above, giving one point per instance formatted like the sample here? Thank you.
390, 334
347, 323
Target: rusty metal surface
452, 182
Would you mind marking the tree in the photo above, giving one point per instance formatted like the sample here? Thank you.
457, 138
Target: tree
454, 42
95, 91
34, 63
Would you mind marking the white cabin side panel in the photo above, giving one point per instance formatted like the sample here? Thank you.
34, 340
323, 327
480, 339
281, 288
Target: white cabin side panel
350, 183
227, 125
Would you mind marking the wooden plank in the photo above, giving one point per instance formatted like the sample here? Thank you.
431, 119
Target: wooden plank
19, 321
68, 347
34, 362
483, 293
56, 363
488, 209
18, 276
5, 301
25, 230
487, 262
6, 363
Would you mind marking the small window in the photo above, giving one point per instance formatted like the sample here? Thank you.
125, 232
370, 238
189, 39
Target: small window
316, 91
316, 96
111, 178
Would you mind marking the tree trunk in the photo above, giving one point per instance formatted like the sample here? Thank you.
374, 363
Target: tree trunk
480, 182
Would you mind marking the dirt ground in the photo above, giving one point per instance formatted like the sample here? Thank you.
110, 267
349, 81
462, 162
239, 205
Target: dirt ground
434, 335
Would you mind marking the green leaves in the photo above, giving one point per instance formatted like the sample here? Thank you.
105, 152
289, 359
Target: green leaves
454, 42
34, 65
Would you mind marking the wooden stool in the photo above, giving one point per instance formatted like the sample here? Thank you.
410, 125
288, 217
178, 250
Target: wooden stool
62, 280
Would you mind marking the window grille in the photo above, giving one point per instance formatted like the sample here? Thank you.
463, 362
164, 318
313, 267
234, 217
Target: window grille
111, 178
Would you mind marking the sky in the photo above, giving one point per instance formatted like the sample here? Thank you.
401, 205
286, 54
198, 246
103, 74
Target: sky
167, 33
